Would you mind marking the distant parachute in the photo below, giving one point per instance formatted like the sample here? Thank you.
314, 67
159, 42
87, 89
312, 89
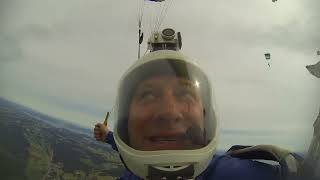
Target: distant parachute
268, 57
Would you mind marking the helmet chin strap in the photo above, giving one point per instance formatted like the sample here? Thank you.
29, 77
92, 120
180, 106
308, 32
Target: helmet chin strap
160, 173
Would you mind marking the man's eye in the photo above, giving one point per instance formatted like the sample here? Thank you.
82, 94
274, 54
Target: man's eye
146, 95
185, 93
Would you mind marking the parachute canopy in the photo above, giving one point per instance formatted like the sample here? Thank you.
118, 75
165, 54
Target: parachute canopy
267, 56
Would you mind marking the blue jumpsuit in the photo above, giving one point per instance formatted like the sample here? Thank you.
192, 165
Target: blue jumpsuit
223, 167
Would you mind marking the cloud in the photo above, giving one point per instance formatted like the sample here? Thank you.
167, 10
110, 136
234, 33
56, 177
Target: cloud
12, 41
6, 7
300, 33
10, 49
58, 101
34, 32
288, 24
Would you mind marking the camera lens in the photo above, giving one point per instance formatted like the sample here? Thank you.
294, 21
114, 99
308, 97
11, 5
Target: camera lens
168, 34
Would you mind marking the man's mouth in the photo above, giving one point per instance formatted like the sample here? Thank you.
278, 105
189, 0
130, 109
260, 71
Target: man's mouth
165, 139
173, 142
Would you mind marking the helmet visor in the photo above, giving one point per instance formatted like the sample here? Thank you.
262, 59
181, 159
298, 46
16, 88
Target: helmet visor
165, 105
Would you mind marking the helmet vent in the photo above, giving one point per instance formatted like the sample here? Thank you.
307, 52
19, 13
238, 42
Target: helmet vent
171, 172
171, 167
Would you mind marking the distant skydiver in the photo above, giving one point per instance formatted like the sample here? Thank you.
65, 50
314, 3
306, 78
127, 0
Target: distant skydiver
268, 58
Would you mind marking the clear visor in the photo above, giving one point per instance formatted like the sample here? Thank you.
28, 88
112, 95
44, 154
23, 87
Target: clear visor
165, 105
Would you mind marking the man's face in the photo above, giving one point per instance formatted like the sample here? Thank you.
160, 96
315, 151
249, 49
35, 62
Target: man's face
162, 109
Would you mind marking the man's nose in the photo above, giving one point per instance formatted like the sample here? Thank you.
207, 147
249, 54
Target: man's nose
169, 112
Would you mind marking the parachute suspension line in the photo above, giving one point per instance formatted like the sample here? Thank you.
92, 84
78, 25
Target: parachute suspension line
146, 51
156, 14
158, 11
153, 20
159, 14
140, 35
165, 10
150, 22
141, 9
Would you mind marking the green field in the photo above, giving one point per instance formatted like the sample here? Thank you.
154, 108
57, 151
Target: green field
32, 149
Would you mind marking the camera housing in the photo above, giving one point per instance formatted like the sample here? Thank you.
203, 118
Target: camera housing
167, 39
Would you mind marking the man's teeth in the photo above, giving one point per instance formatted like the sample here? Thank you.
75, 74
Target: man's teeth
164, 139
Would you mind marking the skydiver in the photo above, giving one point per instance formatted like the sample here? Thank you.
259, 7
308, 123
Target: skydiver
166, 127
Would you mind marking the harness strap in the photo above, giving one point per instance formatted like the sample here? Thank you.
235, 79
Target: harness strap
290, 163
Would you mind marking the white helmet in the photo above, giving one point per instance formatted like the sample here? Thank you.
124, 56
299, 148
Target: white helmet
188, 161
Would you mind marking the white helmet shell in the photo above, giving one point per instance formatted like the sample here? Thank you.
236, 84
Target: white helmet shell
139, 161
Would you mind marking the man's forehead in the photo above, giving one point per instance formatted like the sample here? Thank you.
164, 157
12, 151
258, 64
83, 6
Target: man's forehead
164, 79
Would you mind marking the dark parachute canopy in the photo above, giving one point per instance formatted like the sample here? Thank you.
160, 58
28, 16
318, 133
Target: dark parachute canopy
267, 56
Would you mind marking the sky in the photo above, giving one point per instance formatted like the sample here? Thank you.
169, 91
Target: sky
65, 59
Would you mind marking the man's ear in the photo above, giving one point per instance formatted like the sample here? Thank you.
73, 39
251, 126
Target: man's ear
204, 112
